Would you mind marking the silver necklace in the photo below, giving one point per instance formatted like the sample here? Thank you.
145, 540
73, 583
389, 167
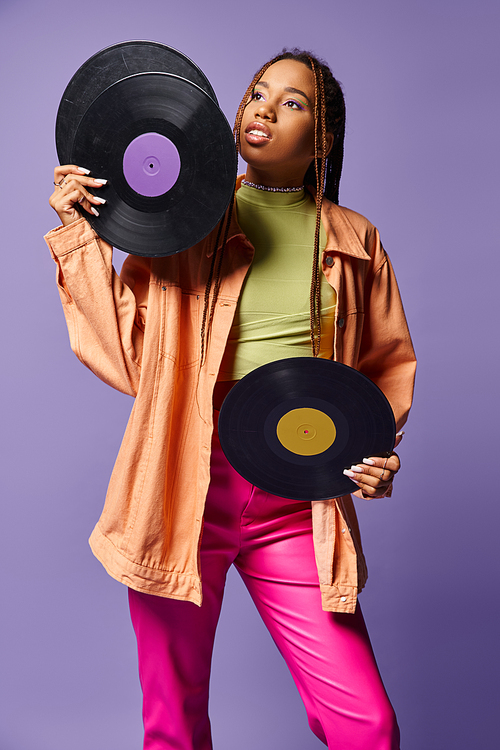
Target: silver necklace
273, 189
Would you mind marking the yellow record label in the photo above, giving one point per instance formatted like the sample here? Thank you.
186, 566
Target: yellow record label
306, 432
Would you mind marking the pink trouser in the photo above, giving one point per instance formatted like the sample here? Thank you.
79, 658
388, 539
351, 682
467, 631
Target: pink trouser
269, 539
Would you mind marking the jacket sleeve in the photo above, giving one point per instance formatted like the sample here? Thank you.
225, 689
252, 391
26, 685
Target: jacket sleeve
386, 353
105, 316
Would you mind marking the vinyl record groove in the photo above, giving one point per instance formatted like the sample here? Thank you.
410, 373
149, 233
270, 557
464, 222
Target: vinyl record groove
292, 426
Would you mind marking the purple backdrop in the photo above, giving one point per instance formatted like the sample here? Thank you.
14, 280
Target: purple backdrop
422, 163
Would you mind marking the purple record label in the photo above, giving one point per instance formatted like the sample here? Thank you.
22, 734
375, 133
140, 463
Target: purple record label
151, 164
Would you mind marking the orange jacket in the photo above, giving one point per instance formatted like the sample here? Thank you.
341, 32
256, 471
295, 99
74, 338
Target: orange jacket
141, 334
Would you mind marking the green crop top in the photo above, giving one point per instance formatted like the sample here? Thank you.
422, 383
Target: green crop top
272, 316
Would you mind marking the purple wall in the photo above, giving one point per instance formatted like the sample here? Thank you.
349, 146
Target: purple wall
421, 82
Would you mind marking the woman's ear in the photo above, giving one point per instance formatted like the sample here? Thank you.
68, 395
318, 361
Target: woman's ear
329, 143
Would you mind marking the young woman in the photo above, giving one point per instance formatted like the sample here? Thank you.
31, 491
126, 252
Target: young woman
288, 273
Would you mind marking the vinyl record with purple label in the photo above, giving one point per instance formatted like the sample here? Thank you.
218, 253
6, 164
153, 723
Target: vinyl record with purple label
110, 65
169, 156
292, 426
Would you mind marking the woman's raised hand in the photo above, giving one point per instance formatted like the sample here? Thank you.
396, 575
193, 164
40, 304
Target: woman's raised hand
71, 183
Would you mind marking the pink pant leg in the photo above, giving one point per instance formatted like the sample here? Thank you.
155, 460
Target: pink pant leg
174, 648
329, 655
175, 638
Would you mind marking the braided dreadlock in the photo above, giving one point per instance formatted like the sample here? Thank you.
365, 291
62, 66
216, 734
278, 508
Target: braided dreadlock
323, 175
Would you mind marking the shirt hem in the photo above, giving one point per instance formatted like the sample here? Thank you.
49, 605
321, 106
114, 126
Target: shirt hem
167, 584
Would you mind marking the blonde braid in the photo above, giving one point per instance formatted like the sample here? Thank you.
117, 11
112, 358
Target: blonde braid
320, 170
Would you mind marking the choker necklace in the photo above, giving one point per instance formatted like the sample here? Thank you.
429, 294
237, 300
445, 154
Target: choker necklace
273, 189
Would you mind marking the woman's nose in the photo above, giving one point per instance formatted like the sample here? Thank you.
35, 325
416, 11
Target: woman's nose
266, 111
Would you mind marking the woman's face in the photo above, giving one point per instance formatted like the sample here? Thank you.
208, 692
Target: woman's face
277, 130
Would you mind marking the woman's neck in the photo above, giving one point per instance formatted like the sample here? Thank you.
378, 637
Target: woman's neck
276, 179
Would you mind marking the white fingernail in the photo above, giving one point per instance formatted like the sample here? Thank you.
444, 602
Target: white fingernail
348, 473
94, 211
357, 469
101, 182
82, 169
401, 432
101, 200
369, 462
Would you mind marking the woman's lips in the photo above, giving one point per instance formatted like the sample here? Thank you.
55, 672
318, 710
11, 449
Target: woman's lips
257, 133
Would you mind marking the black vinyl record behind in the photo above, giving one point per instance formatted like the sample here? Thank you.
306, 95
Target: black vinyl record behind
110, 65
292, 426
169, 156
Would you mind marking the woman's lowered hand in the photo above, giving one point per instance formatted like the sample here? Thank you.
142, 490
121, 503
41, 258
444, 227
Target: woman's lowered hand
374, 475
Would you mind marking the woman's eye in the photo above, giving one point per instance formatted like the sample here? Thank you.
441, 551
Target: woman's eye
292, 104
257, 96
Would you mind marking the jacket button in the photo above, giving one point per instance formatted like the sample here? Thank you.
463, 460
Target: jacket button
343, 598
340, 322
329, 260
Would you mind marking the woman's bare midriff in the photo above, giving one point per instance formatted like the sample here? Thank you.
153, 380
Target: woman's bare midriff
222, 388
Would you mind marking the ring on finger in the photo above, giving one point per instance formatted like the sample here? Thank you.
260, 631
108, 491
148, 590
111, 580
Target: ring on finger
383, 469
58, 184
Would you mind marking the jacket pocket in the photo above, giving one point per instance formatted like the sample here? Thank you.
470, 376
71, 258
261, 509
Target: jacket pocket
180, 327
348, 333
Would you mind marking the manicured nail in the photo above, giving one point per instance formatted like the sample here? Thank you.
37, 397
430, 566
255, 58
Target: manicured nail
400, 433
101, 200
94, 211
100, 182
356, 469
369, 462
349, 473
82, 169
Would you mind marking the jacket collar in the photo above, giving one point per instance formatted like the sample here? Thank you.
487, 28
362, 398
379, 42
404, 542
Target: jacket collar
340, 234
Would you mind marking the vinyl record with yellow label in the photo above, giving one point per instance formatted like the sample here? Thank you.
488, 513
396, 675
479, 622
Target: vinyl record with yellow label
292, 426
